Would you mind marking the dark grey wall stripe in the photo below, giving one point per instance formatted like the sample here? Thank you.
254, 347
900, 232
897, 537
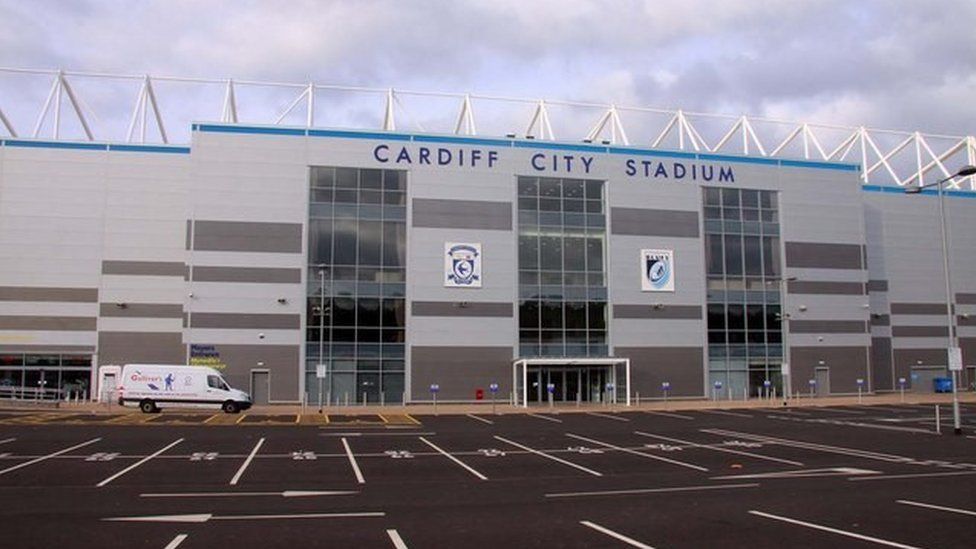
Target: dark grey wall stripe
143, 268
919, 331
966, 299
45, 348
141, 310
828, 327
969, 320
48, 323
189, 233
461, 308
880, 320
141, 347
663, 312
877, 285
240, 321
648, 222
66, 295
247, 274
823, 255
918, 308
825, 287
462, 214
245, 236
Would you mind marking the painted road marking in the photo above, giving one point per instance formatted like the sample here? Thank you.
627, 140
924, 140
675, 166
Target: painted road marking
826, 472
787, 412
636, 453
49, 456
383, 434
668, 414
862, 537
937, 507
176, 542
352, 461
396, 539
206, 517
720, 449
481, 419
629, 541
240, 472
454, 459
547, 456
837, 411
812, 446
285, 494
638, 491
608, 416
724, 413
6, 440
138, 463
547, 418
917, 475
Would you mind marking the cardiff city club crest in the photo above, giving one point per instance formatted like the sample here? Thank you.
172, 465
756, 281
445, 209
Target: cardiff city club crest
657, 270
462, 265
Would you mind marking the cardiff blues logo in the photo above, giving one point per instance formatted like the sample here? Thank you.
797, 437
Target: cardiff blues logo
657, 270
463, 265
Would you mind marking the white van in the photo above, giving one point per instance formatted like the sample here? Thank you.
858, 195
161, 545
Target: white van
155, 386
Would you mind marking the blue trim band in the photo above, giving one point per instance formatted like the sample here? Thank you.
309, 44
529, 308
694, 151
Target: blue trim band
150, 149
820, 165
532, 144
55, 145
462, 140
346, 134
741, 159
928, 192
250, 129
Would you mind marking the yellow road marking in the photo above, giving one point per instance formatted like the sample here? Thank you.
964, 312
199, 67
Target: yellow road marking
240, 419
211, 418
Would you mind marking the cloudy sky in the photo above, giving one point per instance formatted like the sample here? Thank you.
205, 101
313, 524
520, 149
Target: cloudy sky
899, 64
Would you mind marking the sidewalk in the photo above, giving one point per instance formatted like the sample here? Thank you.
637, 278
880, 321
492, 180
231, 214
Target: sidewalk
486, 407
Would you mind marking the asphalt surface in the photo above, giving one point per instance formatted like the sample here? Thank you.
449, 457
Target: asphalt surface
814, 477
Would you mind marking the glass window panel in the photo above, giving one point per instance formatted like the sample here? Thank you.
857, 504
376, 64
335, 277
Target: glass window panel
529, 203
768, 199
370, 179
394, 198
551, 336
596, 313
370, 197
576, 336
770, 256
735, 317
393, 336
528, 186
323, 177
369, 335
394, 180
716, 316
753, 255
713, 254
730, 198
731, 214
42, 360
529, 314
550, 205
370, 234
769, 216
594, 254
345, 242
392, 366
528, 278
549, 188
575, 279
755, 317
574, 253
713, 213
595, 207
594, 190
347, 178
573, 206
394, 312
773, 321
573, 188
716, 337
713, 196
750, 198
552, 314
394, 243
344, 335
736, 337
550, 252
575, 315
750, 215
594, 279
756, 337
321, 195
733, 254
344, 311
528, 252
368, 311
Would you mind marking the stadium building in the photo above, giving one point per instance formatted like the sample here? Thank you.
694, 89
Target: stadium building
385, 265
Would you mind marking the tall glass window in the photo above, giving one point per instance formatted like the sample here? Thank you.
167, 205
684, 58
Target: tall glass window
562, 268
356, 307
742, 258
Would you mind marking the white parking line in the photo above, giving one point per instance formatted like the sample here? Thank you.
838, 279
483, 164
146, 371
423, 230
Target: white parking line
638, 491
812, 446
138, 463
916, 475
836, 410
547, 418
937, 507
452, 458
788, 412
720, 449
6, 440
724, 413
481, 419
240, 472
49, 456
668, 414
396, 539
547, 456
176, 542
636, 453
352, 461
608, 416
629, 541
879, 541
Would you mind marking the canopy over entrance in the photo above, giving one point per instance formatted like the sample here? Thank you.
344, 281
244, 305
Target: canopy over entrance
579, 380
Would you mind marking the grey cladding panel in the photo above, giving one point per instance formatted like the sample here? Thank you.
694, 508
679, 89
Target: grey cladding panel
822, 255
141, 347
459, 371
846, 365
244, 321
48, 323
461, 308
649, 366
462, 214
647, 222
662, 312
64, 295
143, 268
828, 327
918, 308
825, 287
966, 299
141, 310
919, 331
877, 286
243, 236
247, 274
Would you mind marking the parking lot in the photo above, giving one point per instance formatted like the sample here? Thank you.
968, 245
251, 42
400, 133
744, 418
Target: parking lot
810, 477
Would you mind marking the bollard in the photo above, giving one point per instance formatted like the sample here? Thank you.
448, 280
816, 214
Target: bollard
434, 388
364, 398
938, 421
346, 393
901, 385
860, 386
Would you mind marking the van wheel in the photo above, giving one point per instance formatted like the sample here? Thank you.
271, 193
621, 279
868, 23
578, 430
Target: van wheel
230, 407
147, 406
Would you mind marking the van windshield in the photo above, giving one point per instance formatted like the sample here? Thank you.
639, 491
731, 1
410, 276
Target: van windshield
217, 383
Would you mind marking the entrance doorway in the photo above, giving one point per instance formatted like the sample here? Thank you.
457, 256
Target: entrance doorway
260, 387
589, 380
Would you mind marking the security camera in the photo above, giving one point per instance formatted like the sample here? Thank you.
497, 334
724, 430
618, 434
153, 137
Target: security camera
261, 335
189, 294
282, 300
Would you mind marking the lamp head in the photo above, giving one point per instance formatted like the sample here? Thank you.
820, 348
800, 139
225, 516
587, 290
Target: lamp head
913, 190
966, 171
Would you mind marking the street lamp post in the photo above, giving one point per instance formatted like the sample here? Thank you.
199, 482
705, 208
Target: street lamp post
784, 318
953, 338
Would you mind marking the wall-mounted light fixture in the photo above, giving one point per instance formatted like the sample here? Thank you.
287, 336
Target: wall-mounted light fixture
282, 300
121, 305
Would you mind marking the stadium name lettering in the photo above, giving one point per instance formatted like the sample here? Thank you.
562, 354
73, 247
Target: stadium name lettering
678, 170
436, 157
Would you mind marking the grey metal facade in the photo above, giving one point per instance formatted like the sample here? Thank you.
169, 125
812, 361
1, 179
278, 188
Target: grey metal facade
173, 254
